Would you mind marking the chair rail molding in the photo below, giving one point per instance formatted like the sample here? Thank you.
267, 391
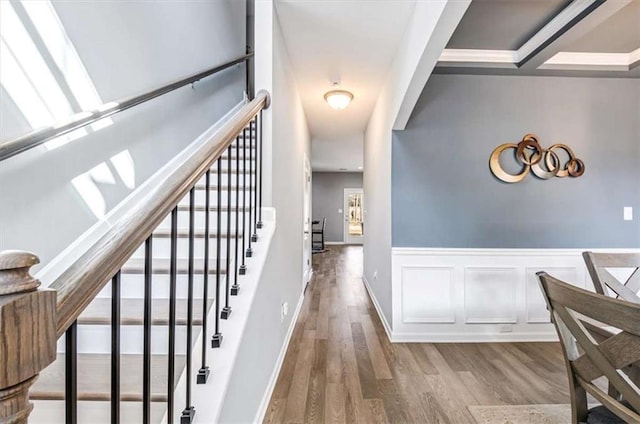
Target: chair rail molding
478, 295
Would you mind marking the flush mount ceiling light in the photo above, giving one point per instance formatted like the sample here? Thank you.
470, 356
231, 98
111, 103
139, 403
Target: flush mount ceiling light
338, 99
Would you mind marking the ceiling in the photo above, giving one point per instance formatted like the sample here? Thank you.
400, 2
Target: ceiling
350, 41
591, 38
504, 24
354, 42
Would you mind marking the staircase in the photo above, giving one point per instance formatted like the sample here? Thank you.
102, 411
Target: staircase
135, 338
94, 324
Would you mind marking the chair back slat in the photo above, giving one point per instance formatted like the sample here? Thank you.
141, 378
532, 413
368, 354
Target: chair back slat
594, 354
604, 281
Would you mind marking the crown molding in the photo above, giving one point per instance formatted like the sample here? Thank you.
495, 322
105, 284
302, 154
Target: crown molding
593, 61
487, 57
561, 61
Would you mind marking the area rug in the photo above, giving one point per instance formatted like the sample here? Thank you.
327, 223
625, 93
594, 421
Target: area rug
522, 414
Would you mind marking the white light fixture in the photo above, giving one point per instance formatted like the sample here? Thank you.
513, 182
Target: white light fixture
338, 99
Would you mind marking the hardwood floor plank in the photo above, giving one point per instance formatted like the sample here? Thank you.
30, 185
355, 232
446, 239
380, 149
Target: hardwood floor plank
314, 412
394, 404
297, 397
334, 408
368, 381
275, 411
376, 411
380, 366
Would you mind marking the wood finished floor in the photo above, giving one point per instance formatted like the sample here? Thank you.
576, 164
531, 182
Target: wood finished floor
340, 366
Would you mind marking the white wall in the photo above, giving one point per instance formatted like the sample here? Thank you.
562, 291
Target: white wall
427, 33
289, 140
126, 48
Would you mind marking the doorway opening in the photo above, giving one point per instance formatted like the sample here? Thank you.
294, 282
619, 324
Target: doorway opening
353, 215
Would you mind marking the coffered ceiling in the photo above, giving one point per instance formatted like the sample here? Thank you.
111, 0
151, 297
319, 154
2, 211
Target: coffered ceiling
588, 38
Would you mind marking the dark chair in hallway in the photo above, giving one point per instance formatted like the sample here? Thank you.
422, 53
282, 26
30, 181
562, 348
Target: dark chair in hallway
599, 266
591, 353
318, 245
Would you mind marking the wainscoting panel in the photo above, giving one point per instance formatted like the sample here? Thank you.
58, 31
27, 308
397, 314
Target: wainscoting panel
478, 295
536, 306
427, 295
490, 295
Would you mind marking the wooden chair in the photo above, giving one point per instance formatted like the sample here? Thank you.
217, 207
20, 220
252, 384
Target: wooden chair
589, 356
318, 231
604, 281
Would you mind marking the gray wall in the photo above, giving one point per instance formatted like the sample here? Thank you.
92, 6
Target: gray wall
444, 195
328, 197
127, 48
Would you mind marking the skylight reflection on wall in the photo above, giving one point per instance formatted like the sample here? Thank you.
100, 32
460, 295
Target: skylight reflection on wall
41, 70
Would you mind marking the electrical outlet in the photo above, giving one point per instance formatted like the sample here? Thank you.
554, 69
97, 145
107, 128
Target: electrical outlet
375, 274
628, 213
506, 328
284, 311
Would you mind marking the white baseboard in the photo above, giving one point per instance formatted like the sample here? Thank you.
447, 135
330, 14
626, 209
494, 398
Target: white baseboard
385, 324
473, 338
264, 404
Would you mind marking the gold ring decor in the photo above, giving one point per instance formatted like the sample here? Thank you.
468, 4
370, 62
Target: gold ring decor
529, 144
494, 164
575, 167
563, 172
551, 171
530, 154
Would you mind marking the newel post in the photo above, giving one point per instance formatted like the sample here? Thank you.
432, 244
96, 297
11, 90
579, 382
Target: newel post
27, 333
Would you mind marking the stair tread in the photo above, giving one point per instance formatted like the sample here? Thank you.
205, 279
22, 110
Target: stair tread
94, 412
94, 377
161, 266
132, 312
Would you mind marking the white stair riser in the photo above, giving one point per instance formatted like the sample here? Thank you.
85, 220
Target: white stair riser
132, 286
199, 220
213, 198
97, 339
162, 248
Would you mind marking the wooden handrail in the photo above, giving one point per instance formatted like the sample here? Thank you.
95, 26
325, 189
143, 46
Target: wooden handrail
82, 281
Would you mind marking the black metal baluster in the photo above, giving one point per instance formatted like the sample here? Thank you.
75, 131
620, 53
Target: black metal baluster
189, 411
146, 356
260, 224
243, 267
115, 348
173, 272
203, 372
71, 374
216, 341
226, 311
254, 175
249, 252
236, 287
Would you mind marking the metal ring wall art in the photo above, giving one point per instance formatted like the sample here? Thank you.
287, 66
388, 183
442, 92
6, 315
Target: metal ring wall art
544, 163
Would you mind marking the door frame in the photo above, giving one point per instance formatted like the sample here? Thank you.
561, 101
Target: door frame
306, 221
345, 221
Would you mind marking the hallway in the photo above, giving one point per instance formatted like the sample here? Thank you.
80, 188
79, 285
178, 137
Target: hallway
340, 366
